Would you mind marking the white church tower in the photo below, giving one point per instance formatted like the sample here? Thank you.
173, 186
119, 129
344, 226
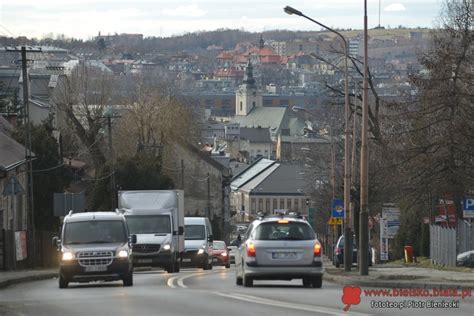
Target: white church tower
247, 96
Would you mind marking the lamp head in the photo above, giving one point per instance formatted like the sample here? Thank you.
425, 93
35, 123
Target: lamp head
289, 10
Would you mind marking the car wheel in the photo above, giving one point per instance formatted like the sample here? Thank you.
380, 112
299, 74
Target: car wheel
207, 265
227, 266
128, 279
63, 282
337, 264
247, 281
317, 281
307, 282
239, 281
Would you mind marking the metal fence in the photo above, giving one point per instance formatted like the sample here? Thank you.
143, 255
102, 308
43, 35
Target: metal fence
446, 243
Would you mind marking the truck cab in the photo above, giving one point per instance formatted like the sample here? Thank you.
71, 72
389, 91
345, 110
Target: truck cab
156, 217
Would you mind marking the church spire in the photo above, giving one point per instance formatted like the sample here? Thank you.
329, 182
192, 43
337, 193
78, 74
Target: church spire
261, 43
248, 78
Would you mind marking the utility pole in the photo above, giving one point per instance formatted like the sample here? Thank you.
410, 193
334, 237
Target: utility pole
29, 167
182, 174
208, 215
109, 115
364, 164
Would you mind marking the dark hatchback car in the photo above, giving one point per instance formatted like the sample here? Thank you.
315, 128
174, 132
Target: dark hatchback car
95, 246
338, 258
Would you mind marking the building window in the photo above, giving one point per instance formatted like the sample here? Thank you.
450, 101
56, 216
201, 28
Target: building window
266, 153
253, 205
296, 204
282, 204
260, 205
267, 207
288, 205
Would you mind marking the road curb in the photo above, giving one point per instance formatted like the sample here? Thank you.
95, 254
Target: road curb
28, 278
347, 280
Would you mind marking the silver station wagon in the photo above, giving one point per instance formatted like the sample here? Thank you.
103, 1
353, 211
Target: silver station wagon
279, 248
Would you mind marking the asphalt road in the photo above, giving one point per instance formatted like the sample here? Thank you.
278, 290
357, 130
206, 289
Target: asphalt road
195, 292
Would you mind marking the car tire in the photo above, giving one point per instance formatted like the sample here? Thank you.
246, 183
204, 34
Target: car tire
307, 282
337, 264
176, 267
128, 279
317, 281
63, 282
247, 281
207, 265
239, 281
227, 266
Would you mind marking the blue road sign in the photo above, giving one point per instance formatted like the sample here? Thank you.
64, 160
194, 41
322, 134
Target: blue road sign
337, 208
468, 207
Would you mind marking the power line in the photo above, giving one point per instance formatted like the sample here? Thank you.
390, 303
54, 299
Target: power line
98, 179
49, 169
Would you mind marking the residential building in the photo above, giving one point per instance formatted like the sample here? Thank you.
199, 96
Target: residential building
268, 186
13, 206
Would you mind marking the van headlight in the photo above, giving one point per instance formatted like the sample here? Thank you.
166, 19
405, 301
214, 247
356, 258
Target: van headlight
67, 256
122, 253
200, 251
167, 247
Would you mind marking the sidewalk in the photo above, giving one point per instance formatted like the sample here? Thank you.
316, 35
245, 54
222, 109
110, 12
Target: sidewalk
13, 277
393, 276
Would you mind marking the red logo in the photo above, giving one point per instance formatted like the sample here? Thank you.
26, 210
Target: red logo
351, 296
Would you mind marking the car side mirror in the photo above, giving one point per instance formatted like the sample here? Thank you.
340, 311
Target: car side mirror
229, 249
133, 239
181, 230
210, 238
56, 242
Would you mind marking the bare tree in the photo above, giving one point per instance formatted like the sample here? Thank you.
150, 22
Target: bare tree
81, 98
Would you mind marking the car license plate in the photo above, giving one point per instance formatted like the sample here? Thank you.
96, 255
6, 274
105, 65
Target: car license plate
145, 260
284, 255
186, 259
96, 268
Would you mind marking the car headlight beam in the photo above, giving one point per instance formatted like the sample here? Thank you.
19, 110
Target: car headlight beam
200, 251
67, 256
122, 254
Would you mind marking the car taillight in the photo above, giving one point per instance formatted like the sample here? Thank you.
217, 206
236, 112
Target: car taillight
250, 250
317, 249
338, 251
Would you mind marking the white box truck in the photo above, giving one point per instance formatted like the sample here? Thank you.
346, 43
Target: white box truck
156, 217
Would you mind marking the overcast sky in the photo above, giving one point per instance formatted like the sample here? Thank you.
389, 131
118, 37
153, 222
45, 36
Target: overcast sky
85, 18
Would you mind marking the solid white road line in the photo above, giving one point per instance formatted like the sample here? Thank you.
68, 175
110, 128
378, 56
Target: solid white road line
180, 279
302, 307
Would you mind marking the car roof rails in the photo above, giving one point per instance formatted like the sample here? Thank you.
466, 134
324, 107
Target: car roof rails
261, 215
70, 213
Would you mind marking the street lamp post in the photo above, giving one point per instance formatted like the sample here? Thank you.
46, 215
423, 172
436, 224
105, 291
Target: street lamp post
347, 171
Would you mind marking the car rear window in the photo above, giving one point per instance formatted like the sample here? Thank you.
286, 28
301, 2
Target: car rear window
284, 231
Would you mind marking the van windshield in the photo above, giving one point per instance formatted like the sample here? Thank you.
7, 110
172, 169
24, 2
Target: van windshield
94, 232
194, 232
149, 224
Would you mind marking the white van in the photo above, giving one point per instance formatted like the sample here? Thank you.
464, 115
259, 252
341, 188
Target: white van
198, 240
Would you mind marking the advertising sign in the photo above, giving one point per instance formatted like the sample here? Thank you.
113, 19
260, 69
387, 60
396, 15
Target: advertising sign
446, 211
390, 222
20, 245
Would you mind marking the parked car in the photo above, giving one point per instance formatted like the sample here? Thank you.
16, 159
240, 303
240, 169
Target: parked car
95, 246
279, 248
220, 254
338, 258
465, 259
